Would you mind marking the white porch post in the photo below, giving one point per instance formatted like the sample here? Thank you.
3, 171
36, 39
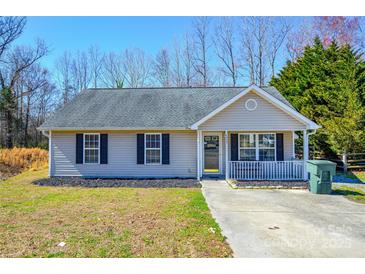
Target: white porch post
305, 153
226, 154
50, 154
293, 140
198, 155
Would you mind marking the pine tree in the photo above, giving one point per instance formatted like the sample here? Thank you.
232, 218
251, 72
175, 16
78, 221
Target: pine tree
327, 85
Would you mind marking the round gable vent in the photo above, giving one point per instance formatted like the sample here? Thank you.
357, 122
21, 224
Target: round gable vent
250, 104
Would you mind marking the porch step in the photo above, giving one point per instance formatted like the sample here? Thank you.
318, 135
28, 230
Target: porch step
213, 177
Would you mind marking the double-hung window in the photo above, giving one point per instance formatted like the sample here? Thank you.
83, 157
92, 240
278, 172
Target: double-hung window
91, 148
257, 147
247, 147
153, 148
266, 147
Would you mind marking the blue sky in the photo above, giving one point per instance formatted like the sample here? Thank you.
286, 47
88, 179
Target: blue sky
109, 33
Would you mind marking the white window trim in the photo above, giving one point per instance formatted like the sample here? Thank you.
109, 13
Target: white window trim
145, 149
239, 146
257, 148
84, 148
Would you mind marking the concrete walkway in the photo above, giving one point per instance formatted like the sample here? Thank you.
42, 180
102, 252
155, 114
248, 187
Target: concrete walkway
287, 223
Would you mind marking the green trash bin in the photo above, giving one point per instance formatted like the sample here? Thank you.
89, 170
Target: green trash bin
320, 174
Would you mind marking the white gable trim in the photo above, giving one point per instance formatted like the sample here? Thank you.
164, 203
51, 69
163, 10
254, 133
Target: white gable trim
292, 112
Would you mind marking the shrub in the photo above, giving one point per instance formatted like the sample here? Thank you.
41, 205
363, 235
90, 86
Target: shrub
24, 158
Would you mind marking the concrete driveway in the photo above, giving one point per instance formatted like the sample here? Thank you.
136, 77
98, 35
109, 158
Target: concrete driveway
287, 223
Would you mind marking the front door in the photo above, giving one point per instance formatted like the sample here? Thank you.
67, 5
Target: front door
212, 153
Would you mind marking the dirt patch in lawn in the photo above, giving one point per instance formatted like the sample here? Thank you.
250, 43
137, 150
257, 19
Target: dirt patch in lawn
105, 222
8, 171
138, 183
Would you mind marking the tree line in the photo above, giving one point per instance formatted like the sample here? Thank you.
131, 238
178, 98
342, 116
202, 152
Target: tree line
223, 51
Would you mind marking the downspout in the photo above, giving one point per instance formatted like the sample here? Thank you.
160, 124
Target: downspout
312, 132
48, 134
45, 134
308, 134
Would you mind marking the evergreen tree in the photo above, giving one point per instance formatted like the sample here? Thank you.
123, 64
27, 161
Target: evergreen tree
327, 85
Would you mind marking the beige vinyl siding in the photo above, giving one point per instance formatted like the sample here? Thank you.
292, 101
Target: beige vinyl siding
122, 157
266, 117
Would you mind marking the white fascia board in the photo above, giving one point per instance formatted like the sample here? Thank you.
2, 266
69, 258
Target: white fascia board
108, 129
295, 114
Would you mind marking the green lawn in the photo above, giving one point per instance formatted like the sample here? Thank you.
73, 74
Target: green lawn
105, 222
360, 175
351, 193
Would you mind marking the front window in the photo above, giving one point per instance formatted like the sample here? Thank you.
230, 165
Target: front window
91, 148
257, 147
153, 148
267, 147
247, 147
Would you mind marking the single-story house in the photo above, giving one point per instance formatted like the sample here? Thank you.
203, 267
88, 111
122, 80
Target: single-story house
231, 132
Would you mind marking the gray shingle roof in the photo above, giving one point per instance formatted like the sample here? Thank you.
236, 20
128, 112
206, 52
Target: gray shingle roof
143, 107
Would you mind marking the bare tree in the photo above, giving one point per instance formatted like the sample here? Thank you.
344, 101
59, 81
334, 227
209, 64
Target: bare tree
225, 48
113, 73
260, 29
10, 29
96, 63
137, 67
261, 40
44, 102
17, 62
177, 77
21, 82
188, 59
81, 71
249, 47
278, 30
202, 44
162, 70
63, 76
33, 79
248, 54
343, 29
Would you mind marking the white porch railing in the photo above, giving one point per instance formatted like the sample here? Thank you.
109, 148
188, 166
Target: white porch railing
266, 170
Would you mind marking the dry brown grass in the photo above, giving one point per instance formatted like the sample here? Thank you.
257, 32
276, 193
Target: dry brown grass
24, 158
105, 222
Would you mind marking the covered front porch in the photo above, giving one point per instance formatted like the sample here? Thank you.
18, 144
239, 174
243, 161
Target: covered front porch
251, 155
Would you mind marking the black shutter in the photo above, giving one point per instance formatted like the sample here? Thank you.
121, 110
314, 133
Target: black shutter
234, 147
279, 147
140, 148
79, 148
166, 149
103, 148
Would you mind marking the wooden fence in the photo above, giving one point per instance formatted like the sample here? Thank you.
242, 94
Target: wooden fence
351, 161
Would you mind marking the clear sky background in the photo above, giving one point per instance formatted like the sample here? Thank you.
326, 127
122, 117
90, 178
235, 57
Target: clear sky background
109, 33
